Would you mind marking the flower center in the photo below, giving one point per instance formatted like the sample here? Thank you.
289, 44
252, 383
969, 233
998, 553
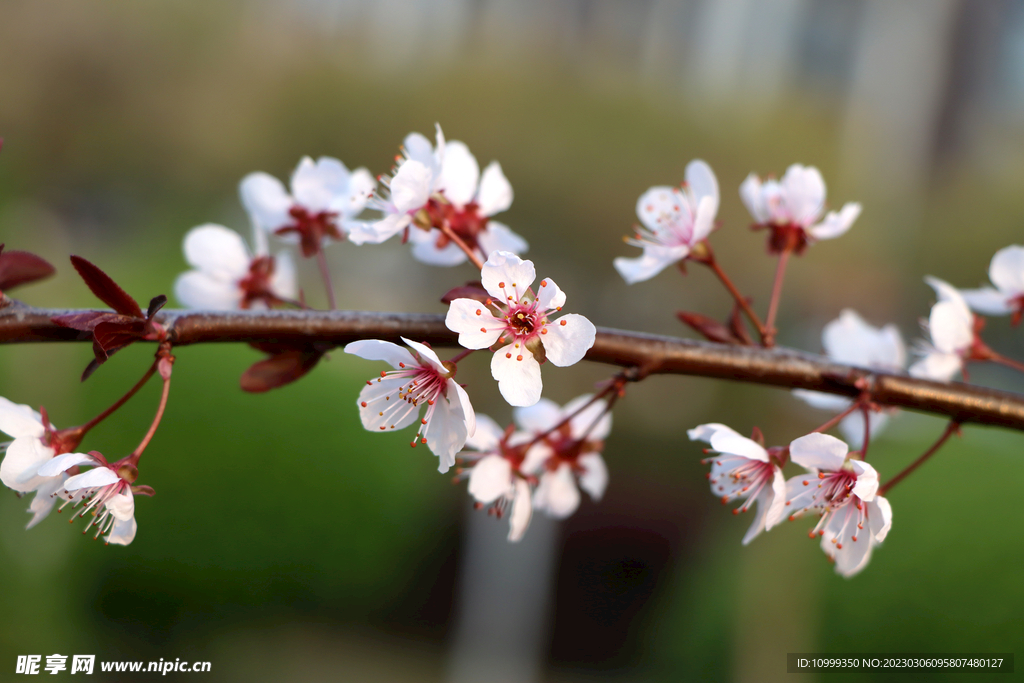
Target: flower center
256, 285
466, 223
94, 501
785, 237
312, 228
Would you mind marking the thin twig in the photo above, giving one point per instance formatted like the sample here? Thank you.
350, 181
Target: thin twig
951, 429
773, 305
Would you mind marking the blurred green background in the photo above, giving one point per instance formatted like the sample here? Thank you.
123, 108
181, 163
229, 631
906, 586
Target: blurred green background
285, 543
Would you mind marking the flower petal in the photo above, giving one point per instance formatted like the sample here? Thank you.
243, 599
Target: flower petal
987, 300
375, 349
852, 427
702, 183
819, 452
1007, 270
122, 505
424, 249
594, 479
506, 277
460, 174
654, 260
486, 436
951, 327
568, 339
557, 494
411, 186
804, 192
98, 476
581, 422
538, 417
19, 470
361, 186
19, 420
728, 441
199, 290
44, 500
667, 213
217, 251
266, 200
835, 224
550, 296
123, 532
495, 194
64, 462
704, 432
283, 282
867, 480
318, 185
518, 375
375, 232
384, 410
477, 328
522, 511
456, 394
490, 479
753, 198
879, 518
446, 432
937, 366
822, 401
499, 237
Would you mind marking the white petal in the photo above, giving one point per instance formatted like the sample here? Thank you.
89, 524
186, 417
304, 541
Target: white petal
819, 451
667, 213
1007, 270
879, 518
557, 494
426, 354
98, 476
654, 260
282, 282
123, 532
867, 480
549, 296
458, 395
19, 420
937, 366
490, 479
495, 194
379, 231
753, 198
950, 327
424, 249
804, 192
44, 500
987, 300
446, 432
266, 200
499, 237
594, 479
375, 349
568, 339
704, 432
776, 501
361, 185
506, 275
539, 417
477, 328
835, 224
822, 401
418, 148
945, 291
703, 221
122, 505
728, 441
196, 289
582, 421
64, 462
536, 458
487, 435
19, 470
853, 556
411, 186
518, 380
702, 182
218, 252
522, 511
317, 186
384, 410
460, 174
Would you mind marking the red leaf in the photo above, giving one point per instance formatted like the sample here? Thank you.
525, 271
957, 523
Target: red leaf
85, 322
739, 329
471, 290
278, 370
709, 327
114, 336
155, 304
20, 267
105, 289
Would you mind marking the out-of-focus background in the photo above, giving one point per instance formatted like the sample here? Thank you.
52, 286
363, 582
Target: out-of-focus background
286, 544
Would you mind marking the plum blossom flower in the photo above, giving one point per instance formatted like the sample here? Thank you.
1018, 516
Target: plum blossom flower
675, 220
495, 478
35, 442
227, 277
419, 379
1006, 271
792, 209
442, 186
850, 340
325, 196
951, 332
854, 518
520, 322
105, 492
568, 455
744, 470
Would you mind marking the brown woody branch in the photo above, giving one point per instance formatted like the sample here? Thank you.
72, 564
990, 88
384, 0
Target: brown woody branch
648, 354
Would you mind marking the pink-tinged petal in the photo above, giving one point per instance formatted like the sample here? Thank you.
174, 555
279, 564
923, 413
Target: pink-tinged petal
19, 420
836, 224
477, 328
721, 482
665, 211
549, 295
490, 479
703, 184
318, 185
19, 470
800, 492
199, 290
951, 327
123, 532
375, 349
594, 479
867, 480
937, 366
122, 505
460, 174
776, 500
217, 251
266, 201
411, 186
568, 339
446, 433
384, 410
704, 220
424, 249
753, 199
557, 494
487, 435
458, 395
283, 282
987, 300
822, 401
425, 353
581, 423
353, 200
499, 237
728, 441
879, 518
538, 417
64, 462
804, 191
654, 260
506, 277
704, 432
1007, 270
852, 427
98, 476
853, 556
819, 452
495, 194
522, 511
536, 457
44, 500
518, 375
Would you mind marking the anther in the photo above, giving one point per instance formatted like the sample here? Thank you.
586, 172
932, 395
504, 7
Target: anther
363, 404
562, 323
519, 357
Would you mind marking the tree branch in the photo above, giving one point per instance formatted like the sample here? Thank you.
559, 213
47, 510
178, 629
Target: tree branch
651, 354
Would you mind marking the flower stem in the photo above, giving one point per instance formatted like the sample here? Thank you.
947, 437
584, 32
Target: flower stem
325, 272
773, 305
119, 402
459, 356
447, 230
867, 430
838, 418
614, 386
951, 428
741, 300
1008, 362
137, 453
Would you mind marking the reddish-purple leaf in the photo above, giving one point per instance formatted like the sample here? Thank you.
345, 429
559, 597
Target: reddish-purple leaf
738, 327
155, 304
471, 290
105, 289
109, 337
708, 327
85, 322
93, 365
279, 369
20, 267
